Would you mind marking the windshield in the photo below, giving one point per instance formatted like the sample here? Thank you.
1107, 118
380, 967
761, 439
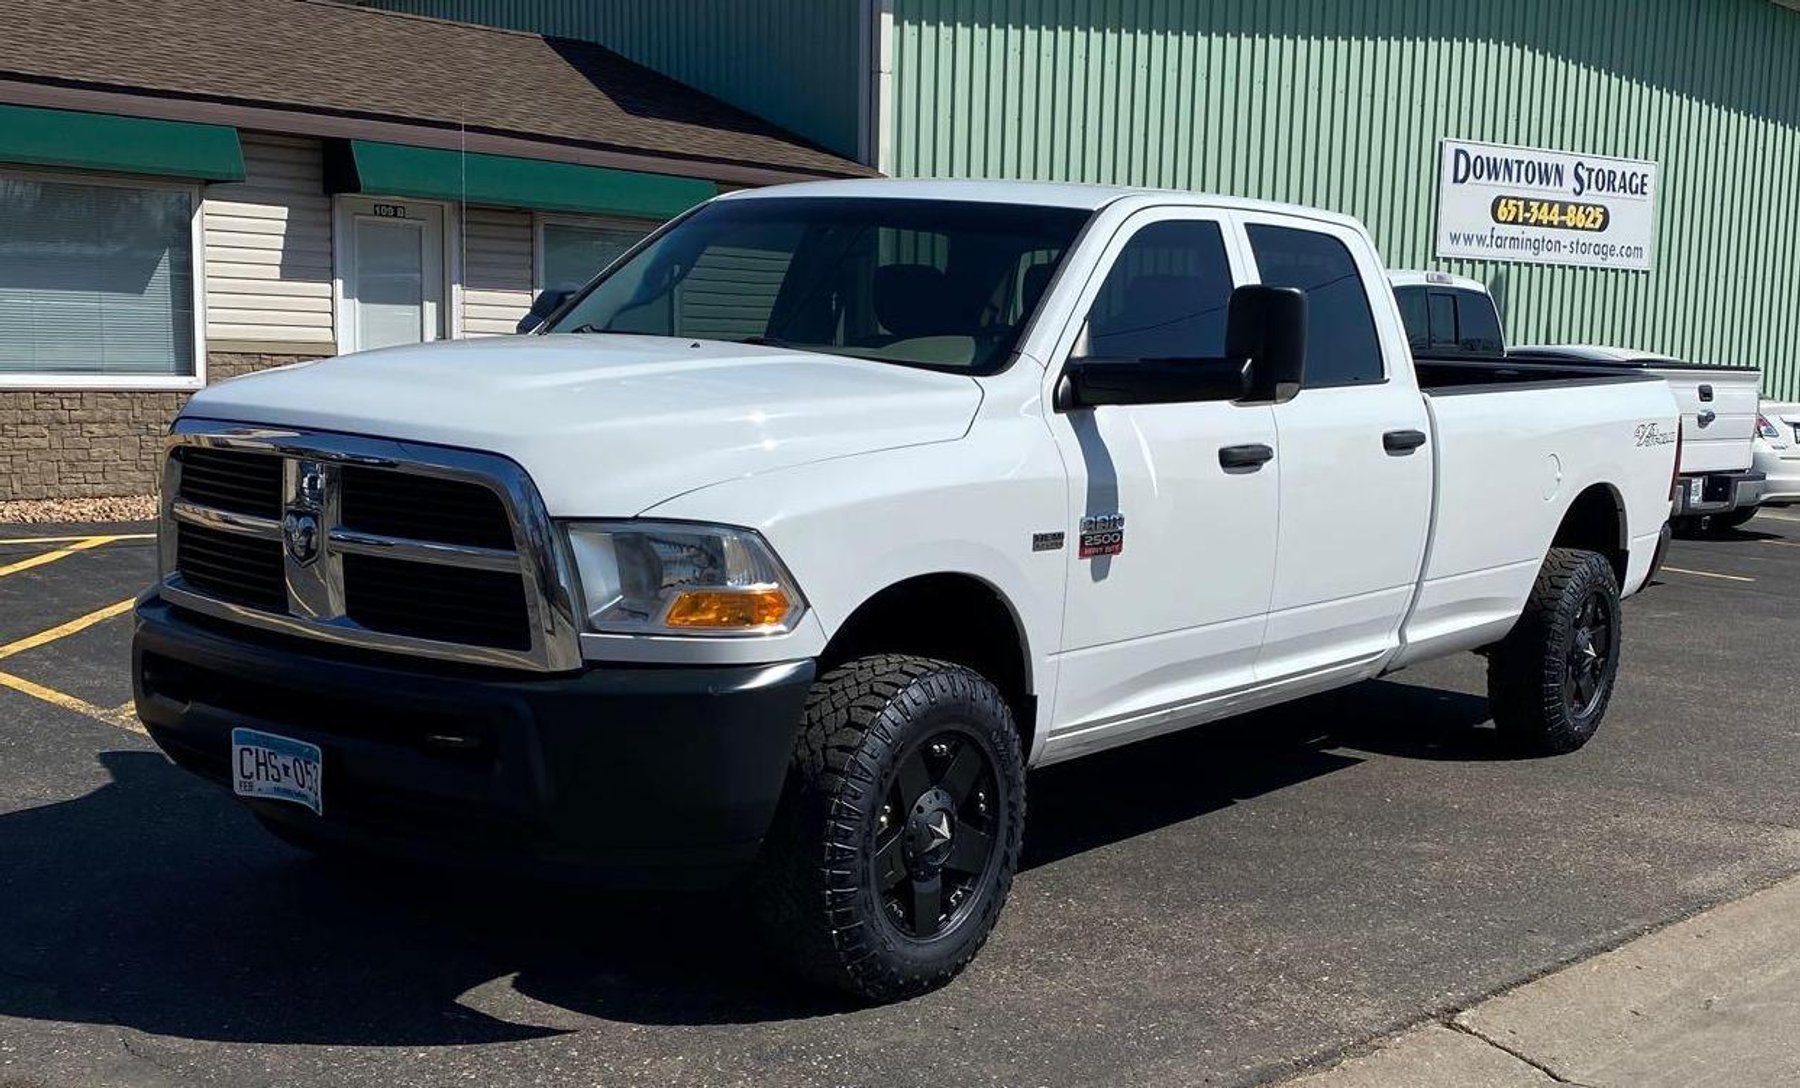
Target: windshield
927, 283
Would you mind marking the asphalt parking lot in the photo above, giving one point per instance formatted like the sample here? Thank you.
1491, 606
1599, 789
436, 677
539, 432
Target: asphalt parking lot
1220, 907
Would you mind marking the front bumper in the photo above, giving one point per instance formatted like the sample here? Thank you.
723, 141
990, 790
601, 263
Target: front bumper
1717, 492
646, 776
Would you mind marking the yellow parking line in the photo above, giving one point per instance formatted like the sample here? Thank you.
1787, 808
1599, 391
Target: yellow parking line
73, 539
124, 717
51, 557
1709, 574
80, 623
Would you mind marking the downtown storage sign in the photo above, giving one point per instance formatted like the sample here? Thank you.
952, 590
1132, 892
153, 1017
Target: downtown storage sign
1498, 203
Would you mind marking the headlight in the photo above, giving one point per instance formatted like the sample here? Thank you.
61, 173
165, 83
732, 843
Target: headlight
647, 577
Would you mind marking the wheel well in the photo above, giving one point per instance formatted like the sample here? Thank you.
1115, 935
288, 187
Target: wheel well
951, 617
1595, 521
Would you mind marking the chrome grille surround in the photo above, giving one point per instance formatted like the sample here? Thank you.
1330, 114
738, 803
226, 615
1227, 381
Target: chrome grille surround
315, 583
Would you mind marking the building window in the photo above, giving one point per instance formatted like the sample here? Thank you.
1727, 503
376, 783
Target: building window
98, 283
573, 251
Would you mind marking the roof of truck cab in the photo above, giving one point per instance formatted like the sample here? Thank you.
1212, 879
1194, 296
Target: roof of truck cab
1410, 277
1046, 194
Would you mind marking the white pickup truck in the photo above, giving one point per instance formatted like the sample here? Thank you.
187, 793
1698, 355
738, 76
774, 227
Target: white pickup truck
789, 544
1449, 317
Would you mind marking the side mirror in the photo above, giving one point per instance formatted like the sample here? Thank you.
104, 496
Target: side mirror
1267, 326
1090, 383
547, 303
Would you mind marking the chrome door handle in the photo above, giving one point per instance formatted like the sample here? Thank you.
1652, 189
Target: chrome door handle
1252, 456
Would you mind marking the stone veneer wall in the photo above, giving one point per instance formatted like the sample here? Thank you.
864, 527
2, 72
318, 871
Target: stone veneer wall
78, 444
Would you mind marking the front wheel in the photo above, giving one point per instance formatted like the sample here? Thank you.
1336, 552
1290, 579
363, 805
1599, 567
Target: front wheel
1550, 679
897, 839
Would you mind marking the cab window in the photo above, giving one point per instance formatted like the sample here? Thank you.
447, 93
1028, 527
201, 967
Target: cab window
1165, 297
1342, 345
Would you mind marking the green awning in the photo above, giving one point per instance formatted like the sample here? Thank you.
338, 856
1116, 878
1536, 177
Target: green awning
130, 145
365, 166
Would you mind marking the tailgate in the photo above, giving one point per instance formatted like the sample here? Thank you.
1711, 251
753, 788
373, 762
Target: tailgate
1727, 399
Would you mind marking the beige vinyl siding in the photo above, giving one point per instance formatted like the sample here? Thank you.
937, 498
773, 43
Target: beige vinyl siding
268, 246
496, 270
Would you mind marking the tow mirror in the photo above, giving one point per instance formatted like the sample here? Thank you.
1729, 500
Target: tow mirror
1267, 325
547, 303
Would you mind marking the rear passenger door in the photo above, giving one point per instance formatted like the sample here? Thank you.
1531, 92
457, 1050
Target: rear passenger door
1355, 463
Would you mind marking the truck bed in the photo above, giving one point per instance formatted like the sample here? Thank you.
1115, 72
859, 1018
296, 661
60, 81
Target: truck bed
1443, 375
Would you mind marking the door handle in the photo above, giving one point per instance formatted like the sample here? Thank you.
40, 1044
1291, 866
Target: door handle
1398, 442
1705, 417
1252, 456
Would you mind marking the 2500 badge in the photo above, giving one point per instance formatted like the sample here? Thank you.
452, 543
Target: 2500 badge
1102, 534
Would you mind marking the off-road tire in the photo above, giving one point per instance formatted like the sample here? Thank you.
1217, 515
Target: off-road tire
816, 886
1530, 688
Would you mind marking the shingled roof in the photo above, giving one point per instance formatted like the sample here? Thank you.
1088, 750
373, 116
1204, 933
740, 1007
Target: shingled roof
333, 59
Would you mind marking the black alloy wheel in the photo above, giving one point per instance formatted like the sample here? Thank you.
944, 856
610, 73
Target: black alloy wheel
1590, 653
935, 833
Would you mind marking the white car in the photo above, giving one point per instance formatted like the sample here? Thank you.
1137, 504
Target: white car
1778, 453
792, 541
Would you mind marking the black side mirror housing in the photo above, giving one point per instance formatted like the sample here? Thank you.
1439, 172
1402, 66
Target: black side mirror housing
1267, 326
545, 304
1090, 382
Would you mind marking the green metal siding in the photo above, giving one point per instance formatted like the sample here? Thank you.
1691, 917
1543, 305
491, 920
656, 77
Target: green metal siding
793, 62
1341, 104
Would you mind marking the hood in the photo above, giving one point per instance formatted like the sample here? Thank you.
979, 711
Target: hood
607, 425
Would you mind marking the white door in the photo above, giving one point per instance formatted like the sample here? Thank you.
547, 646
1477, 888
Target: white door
1173, 621
393, 274
1355, 461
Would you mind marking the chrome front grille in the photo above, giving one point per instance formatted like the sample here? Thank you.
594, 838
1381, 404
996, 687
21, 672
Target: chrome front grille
360, 541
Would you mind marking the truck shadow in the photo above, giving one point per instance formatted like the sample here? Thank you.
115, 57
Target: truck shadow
154, 903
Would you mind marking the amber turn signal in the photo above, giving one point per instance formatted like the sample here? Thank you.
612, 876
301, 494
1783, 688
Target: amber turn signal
728, 609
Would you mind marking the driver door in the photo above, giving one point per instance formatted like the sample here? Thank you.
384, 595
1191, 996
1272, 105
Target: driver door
1165, 608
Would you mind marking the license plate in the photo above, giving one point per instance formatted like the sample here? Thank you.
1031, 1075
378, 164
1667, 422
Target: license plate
1696, 491
277, 767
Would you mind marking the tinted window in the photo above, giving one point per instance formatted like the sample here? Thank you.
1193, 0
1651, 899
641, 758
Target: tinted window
1166, 296
921, 282
1478, 324
1341, 345
1415, 315
1443, 320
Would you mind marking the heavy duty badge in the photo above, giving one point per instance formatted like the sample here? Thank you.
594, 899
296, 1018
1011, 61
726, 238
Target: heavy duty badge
1102, 534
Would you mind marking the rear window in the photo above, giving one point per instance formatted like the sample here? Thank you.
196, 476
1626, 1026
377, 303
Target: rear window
1342, 347
1449, 321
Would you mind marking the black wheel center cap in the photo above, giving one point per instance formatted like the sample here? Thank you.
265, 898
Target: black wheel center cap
931, 829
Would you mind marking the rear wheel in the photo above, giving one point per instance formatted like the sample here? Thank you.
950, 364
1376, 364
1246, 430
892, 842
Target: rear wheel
1551, 678
898, 836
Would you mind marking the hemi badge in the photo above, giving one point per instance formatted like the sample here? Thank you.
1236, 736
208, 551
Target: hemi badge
1046, 542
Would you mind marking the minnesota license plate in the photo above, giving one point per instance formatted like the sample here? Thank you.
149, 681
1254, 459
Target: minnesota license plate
271, 766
